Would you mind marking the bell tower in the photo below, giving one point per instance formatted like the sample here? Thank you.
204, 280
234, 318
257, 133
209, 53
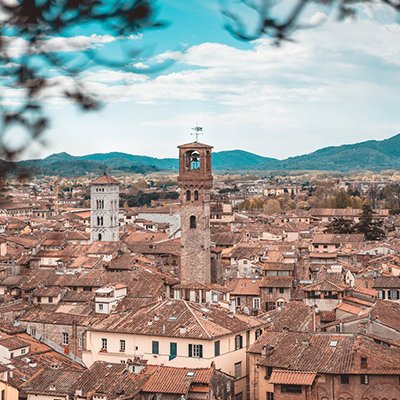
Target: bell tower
195, 181
104, 201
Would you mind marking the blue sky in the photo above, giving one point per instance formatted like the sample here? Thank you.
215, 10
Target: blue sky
337, 83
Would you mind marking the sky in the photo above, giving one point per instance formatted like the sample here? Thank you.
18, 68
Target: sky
333, 84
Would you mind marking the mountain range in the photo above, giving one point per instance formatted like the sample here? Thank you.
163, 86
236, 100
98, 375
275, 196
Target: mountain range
369, 155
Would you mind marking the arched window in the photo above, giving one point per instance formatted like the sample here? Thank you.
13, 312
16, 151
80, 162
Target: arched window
99, 236
98, 220
188, 195
196, 195
193, 222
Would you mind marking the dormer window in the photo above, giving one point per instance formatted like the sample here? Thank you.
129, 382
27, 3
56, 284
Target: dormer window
364, 363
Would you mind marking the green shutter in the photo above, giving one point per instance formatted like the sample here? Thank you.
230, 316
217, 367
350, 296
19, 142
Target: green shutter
155, 347
190, 351
217, 348
173, 347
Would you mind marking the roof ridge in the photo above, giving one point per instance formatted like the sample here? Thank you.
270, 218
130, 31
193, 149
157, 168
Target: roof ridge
197, 319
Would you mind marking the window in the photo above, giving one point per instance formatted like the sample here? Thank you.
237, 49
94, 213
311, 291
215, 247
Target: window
11, 355
39, 299
270, 305
270, 290
101, 307
80, 343
173, 350
270, 396
290, 388
217, 348
65, 338
122, 345
103, 344
33, 331
364, 362
196, 195
344, 379
195, 350
258, 333
99, 237
268, 372
281, 290
338, 328
188, 195
193, 222
155, 347
364, 379
237, 301
238, 342
393, 295
256, 303
23, 351
238, 370
50, 299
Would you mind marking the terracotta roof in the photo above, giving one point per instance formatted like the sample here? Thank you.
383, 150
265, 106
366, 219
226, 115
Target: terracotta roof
13, 343
326, 353
165, 318
105, 180
277, 281
177, 380
194, 145
386, 282
285, 377
244, 287
326, 286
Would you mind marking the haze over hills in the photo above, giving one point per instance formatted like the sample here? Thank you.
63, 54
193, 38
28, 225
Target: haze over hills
371, 155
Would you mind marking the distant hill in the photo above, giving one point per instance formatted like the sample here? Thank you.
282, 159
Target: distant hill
372, 155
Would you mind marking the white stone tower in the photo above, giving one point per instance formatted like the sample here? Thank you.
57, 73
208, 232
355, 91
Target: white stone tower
104, 198
195, 181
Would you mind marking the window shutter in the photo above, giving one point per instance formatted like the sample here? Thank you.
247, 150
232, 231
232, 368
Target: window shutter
190, 350
201, 351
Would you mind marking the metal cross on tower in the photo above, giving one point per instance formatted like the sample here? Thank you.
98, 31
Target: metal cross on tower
197, 131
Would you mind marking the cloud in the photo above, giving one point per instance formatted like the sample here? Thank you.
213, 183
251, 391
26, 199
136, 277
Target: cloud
17, 46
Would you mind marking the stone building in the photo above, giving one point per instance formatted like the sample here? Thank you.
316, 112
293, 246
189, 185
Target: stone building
195, 181
320, 366
104, 204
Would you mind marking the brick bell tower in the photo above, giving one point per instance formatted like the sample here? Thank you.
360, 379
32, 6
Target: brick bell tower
195, 181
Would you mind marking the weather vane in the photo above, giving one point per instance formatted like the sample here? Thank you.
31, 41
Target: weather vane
197, 131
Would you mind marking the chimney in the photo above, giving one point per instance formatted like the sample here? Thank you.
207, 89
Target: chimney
305, 343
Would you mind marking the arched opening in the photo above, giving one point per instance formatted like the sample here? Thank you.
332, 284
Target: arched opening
100, 237
194, 160
193, 222
188, 195
196, 195
98, 220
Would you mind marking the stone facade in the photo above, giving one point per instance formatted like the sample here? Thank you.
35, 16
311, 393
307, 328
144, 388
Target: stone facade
195, 181
104, 204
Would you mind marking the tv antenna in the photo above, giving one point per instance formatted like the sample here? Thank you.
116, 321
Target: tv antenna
197, 131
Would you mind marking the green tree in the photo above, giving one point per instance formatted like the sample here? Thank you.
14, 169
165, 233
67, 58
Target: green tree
341, 226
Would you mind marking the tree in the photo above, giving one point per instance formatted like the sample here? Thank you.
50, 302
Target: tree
30, 68
341, 226
371, 228
272, 206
